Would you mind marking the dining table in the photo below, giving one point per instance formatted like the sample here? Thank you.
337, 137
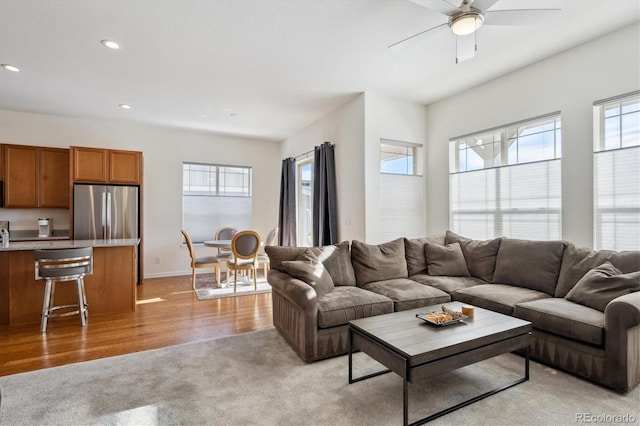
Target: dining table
218, 243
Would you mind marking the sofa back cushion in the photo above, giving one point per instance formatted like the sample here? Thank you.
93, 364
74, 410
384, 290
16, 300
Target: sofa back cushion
278, 254
480, 255
601, 285
577, 261
378, 262
335, 258
446, 260
530, 264
414, 252
311, 270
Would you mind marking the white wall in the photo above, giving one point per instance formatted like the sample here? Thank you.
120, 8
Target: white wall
570, 82
164, 150
386, 118
345, 128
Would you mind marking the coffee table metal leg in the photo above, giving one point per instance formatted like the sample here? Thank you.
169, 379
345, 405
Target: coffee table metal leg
368, 376
469, 401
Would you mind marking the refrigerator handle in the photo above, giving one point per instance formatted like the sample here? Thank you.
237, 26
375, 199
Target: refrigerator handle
109, 215
104, 214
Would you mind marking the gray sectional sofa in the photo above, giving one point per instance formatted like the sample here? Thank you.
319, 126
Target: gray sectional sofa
584, 305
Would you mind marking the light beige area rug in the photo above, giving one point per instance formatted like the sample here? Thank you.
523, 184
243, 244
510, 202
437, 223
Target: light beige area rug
207, 288
257, 379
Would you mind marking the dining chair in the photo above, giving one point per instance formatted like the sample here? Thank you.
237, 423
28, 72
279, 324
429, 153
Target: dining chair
60, 265
224, 233
263, 258
207, 262
244, 246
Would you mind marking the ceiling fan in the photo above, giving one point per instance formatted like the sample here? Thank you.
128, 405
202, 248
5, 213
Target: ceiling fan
469, 15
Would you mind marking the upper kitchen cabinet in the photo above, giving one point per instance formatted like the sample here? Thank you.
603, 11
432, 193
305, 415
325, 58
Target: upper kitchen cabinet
106, 165
54, 178
35, 176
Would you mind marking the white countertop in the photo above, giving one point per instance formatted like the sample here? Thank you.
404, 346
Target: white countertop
65, 244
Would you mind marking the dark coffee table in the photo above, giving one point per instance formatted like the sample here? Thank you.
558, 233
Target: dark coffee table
415, 350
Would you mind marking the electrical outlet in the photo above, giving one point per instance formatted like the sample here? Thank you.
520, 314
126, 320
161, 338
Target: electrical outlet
157, 260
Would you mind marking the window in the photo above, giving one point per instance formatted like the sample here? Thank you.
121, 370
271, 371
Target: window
507, 181
304, 202
401, 158
214, 196
401, 190
616, 173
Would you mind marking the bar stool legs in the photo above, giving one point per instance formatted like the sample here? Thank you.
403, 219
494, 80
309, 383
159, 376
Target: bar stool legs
48, 307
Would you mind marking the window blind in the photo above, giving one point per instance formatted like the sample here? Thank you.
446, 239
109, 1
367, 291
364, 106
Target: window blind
617, 199
519, 201
401, 207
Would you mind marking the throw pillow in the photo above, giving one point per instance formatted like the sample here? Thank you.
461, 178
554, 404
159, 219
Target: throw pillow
445, 260
479, 255
310, 269
601, 285
414, 252
337, 259
378, 262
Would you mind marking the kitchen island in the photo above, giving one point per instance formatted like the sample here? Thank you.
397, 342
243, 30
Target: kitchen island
111, 288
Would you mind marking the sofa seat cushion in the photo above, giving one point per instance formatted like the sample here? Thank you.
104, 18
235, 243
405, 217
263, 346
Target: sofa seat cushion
500, 298
346, 303
407, 294
564, 318
447, 284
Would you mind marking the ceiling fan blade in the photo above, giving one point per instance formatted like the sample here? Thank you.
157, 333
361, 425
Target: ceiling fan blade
521, 16
465, 47
441, 6
483, 5
399, 43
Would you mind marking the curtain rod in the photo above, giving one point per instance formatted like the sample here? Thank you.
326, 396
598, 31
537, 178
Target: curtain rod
306, 154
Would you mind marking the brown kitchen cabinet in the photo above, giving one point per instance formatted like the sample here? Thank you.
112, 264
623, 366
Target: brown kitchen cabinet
35, 176
97, 165
53, 181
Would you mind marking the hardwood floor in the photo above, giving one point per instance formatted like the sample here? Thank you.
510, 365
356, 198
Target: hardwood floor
167, 313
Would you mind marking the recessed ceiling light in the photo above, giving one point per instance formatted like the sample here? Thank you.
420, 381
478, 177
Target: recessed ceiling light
125, 106
10, 67
110, 44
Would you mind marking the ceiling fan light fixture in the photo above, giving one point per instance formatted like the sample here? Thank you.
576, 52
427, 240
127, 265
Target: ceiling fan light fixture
466, 23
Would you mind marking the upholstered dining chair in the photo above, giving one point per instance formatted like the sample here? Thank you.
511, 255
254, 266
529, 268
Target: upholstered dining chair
207, 262
224, 233
263, 259
244, 246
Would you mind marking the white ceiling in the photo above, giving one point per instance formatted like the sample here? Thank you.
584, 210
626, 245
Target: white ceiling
278, 65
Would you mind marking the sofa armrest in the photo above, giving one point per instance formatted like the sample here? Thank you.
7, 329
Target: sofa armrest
295, 313
296, 291
622, 340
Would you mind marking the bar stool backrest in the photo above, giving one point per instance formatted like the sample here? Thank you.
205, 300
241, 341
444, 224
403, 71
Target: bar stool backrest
63, 264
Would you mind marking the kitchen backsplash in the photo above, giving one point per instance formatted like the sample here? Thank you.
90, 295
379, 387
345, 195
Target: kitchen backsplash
27, 219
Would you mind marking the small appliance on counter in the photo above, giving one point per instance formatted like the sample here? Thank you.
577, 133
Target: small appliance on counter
44, 227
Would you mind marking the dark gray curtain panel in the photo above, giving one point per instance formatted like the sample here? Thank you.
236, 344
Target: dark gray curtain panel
287, 213
325, 210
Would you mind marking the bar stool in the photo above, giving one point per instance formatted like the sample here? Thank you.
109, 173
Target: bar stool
63, 265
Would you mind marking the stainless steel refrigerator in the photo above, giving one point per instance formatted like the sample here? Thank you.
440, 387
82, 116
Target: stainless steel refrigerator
104, 212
